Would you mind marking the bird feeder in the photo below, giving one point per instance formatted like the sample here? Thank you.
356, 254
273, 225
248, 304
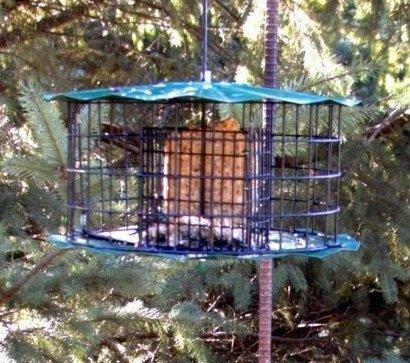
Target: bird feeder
194, 170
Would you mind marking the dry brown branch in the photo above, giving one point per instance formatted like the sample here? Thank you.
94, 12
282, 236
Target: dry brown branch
393, 121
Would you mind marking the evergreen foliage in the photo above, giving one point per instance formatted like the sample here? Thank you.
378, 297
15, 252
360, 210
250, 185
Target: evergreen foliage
75, 306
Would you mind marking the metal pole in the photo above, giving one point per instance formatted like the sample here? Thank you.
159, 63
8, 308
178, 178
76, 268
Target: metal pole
271, 43
204, 76
204, 62
266, 267
265, 311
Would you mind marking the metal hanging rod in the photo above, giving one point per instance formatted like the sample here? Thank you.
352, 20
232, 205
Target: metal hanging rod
205, 73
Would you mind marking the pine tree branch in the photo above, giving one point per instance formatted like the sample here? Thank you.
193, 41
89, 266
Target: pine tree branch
44, 26
224, 335
10, 6
111, 344
149, 4
8, 294
390, 123
9, 38
337, 76
384, 333
234, 16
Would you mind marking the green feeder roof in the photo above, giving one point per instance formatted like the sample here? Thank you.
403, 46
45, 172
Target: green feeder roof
220, 92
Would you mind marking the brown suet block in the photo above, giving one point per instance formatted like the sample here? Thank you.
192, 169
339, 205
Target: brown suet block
221, 156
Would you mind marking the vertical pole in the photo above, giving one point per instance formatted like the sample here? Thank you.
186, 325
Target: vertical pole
266, 266
204, 58
202, 185
271, 43
265, 311
70, 170
203, 77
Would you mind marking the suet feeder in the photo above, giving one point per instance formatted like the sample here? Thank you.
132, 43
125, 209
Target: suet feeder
192, 169
203, 169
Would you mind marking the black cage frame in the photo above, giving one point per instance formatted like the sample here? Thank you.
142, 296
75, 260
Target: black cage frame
188, 177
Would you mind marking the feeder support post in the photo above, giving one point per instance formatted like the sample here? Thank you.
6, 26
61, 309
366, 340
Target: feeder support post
265, 311
271, 44
266, 266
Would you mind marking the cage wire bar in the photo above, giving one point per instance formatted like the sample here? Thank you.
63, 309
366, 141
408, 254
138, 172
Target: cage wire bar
203, 178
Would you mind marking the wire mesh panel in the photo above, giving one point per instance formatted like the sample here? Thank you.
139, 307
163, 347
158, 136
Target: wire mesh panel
191, 177
306, 172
